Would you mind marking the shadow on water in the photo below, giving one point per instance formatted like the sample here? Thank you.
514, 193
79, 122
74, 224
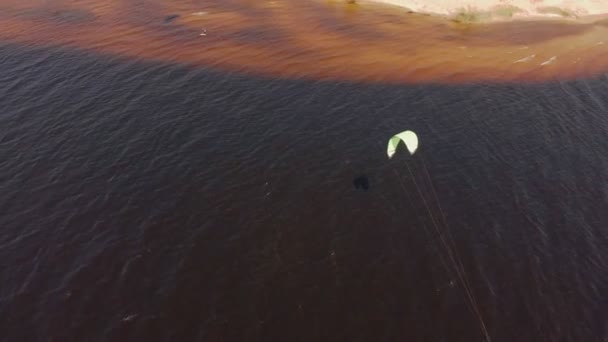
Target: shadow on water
361, 183
146, 201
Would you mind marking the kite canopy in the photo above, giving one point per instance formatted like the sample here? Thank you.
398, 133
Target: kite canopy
409, 138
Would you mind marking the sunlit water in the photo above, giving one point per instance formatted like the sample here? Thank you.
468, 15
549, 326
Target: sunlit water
154, 191
313, 39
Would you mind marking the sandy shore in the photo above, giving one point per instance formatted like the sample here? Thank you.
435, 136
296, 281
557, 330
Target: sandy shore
479, 10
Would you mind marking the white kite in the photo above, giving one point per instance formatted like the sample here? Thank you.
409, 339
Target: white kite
409, 138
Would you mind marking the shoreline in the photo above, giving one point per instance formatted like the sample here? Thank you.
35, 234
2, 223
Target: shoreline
323, 41
485, 11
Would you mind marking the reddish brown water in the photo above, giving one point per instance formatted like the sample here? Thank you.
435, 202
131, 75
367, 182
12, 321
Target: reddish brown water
313, 39
148, 200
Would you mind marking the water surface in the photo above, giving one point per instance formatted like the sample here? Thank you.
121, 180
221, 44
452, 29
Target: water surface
313, 39
162, 202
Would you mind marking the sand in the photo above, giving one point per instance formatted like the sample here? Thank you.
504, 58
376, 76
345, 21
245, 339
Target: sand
505, 9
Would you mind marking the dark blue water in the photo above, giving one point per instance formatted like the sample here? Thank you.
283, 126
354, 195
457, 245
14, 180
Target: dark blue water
156, 202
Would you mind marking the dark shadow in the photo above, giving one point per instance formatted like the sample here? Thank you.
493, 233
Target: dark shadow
361, 183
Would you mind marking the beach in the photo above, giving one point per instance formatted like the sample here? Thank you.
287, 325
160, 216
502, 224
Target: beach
477, 10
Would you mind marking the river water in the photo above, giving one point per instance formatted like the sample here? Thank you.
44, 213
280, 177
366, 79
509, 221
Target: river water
151, 200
